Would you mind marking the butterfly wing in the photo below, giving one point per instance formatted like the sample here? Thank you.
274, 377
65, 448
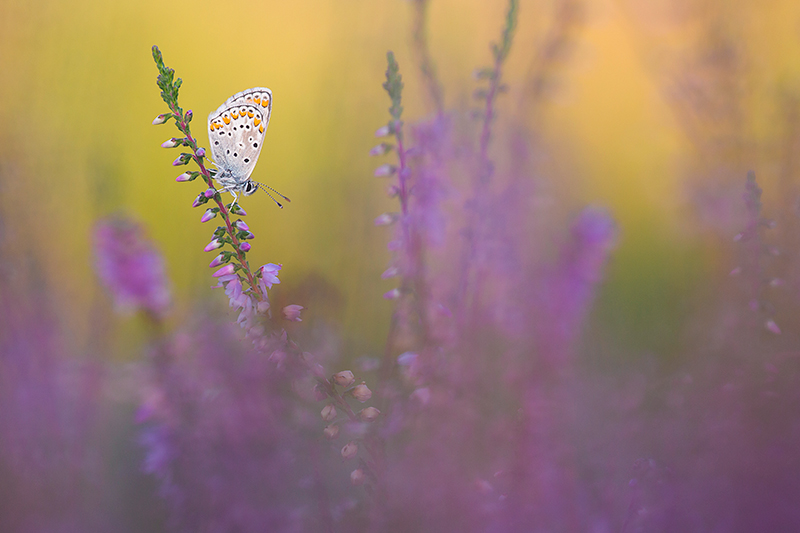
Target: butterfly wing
236, 131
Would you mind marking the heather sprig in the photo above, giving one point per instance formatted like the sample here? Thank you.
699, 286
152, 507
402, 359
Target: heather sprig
494, 74
233, 234
426, 65
408, 261
754, 250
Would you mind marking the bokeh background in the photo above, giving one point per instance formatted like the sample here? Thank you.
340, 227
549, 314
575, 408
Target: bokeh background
619, 128
655, 110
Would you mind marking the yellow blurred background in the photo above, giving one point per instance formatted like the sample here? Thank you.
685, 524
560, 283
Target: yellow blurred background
78, 94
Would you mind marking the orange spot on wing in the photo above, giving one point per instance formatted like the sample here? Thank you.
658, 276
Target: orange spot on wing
261, 128
265, 102
257, 121
235, 115
227, 120
257, 100
250, 114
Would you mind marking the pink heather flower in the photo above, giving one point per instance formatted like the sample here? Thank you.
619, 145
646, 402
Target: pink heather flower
350, 450
345, 378
188, 116
384, 170
241, 224
386, 219
217, 261
357, 477
328, 413
224, 271
237, 210
162, 118
392, 294
383, 131
169, 143
210, 192
213, 245
130, 267
245, 246
198, 201
269, 274
380, 149
369, 414
331, 431
208, 215
772, 327
390, 273
235, 293
361, 393
180, 160
184, 177
201, 152
292, 312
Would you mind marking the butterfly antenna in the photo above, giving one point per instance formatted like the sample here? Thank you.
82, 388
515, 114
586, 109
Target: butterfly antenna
267, 188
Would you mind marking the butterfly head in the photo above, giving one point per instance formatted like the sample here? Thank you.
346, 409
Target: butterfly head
249, 187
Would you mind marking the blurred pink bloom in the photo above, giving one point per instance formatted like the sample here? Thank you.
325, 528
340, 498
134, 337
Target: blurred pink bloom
130, 267
269, 274
292, 312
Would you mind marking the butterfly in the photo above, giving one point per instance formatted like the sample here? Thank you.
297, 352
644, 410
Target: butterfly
236, 134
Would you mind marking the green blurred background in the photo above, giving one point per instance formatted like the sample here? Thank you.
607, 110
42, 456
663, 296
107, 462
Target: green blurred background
78, 94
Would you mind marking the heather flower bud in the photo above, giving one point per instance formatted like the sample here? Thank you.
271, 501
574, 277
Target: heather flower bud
184, 177
162, 118
350, 450
247, 235
240, 224
345, 378
369, 414
393, 294
201, 152
383, 131
245, 246
292, 312
328, 413
208, 215
213, 245
331, 432
224, 271
188, 116
380, 149
237, 210
385, 170
210, 192
423, 395
390, 273
386, 219
199, 200
217, 261
361, 393
169, 143
772, 326
357, 477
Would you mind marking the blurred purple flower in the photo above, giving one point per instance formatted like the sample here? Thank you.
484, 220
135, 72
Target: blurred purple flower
130, 267
224, 441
